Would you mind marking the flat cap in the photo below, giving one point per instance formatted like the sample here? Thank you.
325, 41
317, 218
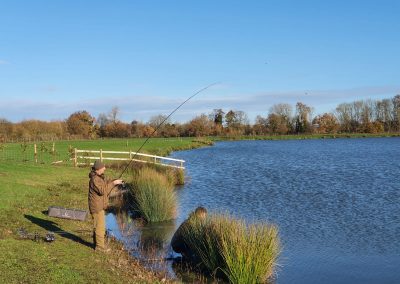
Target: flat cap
98, 165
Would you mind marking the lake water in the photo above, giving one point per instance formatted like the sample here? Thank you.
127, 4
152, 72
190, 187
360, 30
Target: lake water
336, 202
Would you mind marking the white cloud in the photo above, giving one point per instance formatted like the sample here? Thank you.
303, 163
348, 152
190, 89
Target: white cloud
143, 107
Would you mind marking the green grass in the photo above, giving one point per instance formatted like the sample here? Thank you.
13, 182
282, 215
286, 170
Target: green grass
305, 136
232, 249
202, 237
154, 196
249, 251
27, 190
157, 146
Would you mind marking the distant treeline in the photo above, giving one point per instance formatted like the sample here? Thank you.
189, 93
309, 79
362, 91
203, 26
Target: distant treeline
366, 116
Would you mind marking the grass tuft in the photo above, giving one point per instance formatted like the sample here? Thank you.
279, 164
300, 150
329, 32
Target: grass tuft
249, 252
154, 196
230, 248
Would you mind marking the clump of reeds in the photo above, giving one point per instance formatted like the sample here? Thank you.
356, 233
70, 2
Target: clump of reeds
249, 252
230, 248
180, 176
154, 196
175, 176
201, 237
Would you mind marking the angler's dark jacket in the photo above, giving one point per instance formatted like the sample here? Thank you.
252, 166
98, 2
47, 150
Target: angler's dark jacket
99, 189
179, 244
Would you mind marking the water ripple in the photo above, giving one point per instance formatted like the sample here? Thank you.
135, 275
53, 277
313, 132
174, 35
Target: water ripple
335, 201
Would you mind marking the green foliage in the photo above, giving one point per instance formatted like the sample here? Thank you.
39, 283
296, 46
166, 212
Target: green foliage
154, 197
229, 247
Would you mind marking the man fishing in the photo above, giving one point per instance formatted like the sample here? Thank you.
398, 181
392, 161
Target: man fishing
99, 190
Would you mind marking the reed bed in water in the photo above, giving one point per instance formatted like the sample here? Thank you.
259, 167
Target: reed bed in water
153, 195
232, 249
249, 252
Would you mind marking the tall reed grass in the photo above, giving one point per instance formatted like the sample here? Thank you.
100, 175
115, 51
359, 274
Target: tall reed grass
249, 252
232, 249
175, 175
153, 195
200, 236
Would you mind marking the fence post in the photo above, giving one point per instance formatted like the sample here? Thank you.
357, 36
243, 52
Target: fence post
130, 154
35, 152
101, 155
75, 157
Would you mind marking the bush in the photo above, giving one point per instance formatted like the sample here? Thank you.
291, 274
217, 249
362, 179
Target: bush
232, 249
154, 196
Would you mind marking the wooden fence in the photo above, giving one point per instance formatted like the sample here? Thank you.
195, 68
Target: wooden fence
88, 155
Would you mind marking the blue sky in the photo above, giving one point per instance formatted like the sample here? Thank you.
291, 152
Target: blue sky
145, 57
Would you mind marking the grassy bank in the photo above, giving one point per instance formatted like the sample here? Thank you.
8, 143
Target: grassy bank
27, 190
62, 149
304, 136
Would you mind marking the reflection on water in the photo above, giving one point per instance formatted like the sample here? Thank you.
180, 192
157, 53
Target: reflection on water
336, 203
149, 243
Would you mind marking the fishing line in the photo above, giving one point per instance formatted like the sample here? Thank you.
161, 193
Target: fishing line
162, 122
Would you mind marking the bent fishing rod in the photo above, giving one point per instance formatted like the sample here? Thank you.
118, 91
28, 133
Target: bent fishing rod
162, 122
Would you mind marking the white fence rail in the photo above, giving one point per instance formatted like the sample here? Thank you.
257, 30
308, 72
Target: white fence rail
88, 155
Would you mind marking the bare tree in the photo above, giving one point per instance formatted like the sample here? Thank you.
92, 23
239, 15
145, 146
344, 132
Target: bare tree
217, 115
102, 120
396, 112
285, 116
114, 114
303, 118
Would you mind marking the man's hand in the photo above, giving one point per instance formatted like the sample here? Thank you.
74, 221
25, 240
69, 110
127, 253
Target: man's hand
118, 181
